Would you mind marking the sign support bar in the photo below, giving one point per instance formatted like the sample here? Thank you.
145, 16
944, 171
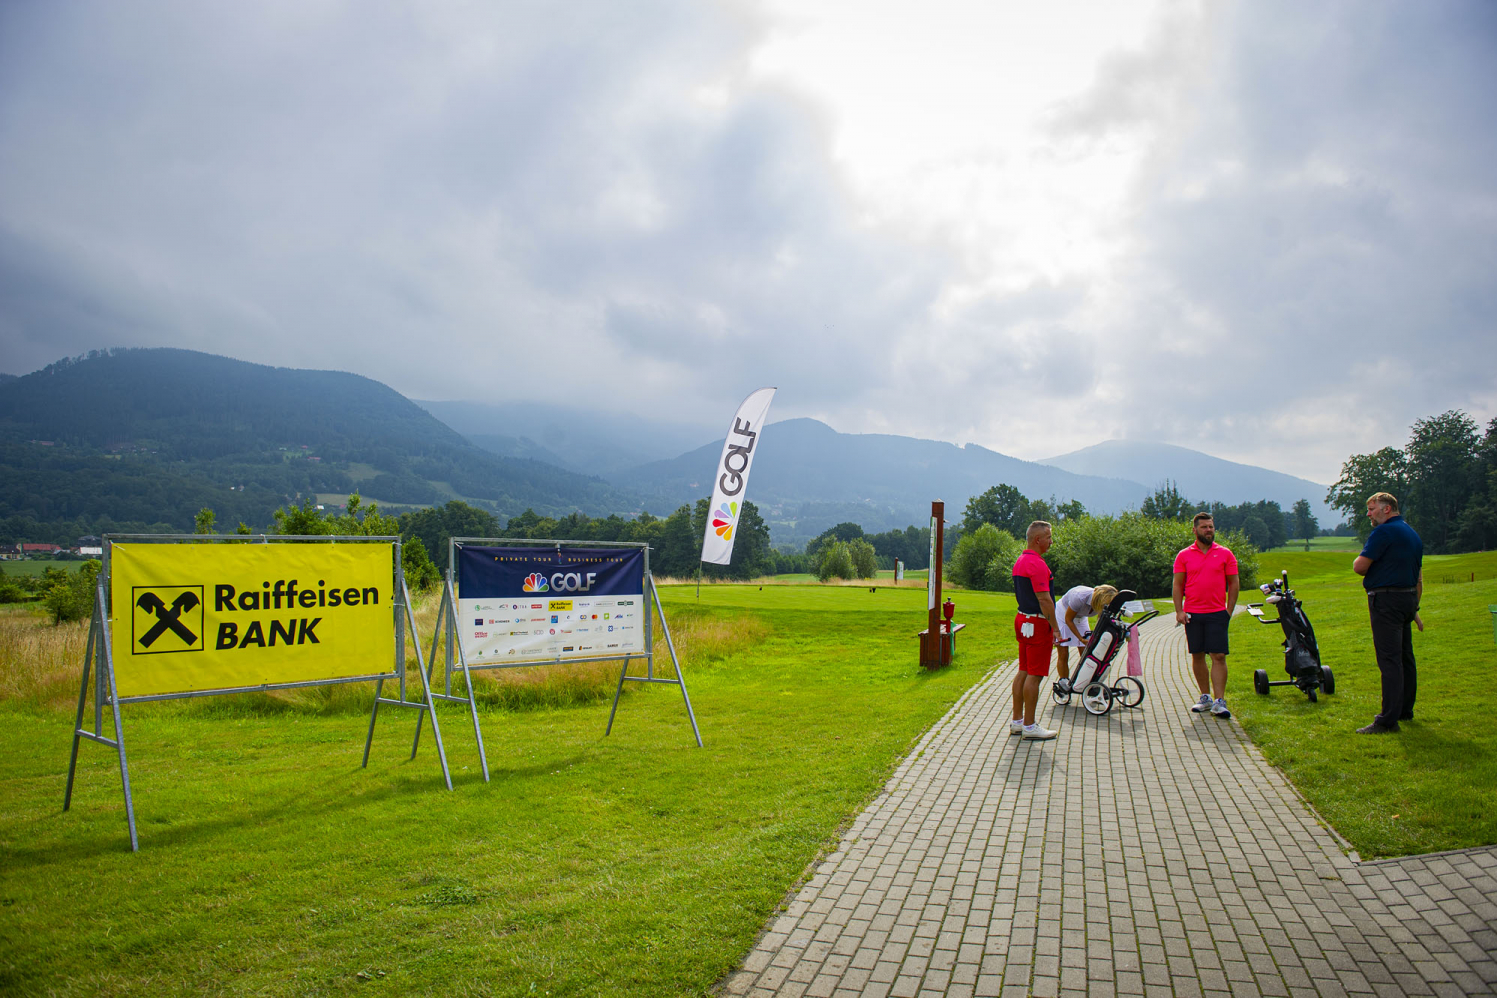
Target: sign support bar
422, 708
99, 647
446, 623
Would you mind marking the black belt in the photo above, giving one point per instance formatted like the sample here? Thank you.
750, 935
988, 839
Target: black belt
1395, 589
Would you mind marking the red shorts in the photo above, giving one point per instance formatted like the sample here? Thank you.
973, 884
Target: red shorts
1034, 648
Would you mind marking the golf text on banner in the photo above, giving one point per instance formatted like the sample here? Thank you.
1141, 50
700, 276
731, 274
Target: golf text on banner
222, 616
731, 482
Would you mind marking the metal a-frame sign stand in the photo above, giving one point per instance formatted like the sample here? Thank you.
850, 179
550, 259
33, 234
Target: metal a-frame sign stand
456, 659
98, 664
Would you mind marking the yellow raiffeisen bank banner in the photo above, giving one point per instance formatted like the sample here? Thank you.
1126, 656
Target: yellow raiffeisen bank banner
189, 617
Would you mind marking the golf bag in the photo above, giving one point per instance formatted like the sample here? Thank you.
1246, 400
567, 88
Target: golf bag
1107, 638
1301, 652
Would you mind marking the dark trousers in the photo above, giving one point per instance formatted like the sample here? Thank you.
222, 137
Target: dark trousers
1393, 640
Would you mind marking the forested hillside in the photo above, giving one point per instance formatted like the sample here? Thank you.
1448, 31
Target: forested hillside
149, 436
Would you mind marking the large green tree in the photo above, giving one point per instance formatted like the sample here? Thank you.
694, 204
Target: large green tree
1444, 472
1003, 506
1361, 476
1305, 524
1166, 503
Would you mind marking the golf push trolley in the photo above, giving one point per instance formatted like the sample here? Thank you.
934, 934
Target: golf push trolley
1090, 681
1301, 653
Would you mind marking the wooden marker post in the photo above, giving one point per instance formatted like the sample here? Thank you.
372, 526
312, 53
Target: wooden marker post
935, 647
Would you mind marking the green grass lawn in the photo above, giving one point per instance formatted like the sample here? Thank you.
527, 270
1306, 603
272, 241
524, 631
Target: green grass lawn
1434, 785
1351, 544
636, 864
16, 569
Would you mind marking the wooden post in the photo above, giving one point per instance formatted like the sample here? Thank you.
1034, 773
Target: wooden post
934, 648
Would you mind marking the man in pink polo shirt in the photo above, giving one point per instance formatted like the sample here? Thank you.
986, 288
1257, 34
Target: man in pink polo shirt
1205, 592
1036, 630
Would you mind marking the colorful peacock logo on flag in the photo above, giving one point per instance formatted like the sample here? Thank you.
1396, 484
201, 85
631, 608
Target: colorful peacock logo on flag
536, 583
722, 520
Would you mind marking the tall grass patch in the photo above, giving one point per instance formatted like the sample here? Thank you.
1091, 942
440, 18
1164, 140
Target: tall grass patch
39, 661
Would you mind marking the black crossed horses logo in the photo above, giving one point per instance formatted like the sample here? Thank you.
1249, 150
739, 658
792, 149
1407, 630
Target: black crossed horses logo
179, 617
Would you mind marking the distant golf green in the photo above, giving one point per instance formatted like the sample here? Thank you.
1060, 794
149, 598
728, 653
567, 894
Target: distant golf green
16, 569
1321, 544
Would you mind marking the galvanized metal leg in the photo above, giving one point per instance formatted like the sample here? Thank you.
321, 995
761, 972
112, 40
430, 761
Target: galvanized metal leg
431, 705
436, 637
107, 665
680, 676
373, 714
420, 717
451, 630
483, 760
88, 656
616, 694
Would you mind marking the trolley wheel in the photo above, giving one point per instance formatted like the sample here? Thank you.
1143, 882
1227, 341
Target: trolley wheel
1260, 681
1311, 694
1062, 696
1327, 680
1129, 691
1097, 698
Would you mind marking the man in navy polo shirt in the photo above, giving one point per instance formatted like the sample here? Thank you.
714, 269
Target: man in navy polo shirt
1392, 567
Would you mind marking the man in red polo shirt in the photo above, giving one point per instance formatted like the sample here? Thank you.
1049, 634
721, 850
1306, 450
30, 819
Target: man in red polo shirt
1036, 629
1205, 592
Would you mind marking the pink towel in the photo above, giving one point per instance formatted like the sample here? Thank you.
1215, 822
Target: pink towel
1135, 657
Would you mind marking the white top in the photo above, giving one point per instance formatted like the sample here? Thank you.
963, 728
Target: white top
1079, 600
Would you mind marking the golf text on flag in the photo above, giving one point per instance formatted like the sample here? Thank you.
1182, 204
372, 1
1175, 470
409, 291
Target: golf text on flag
730, 483
193, 617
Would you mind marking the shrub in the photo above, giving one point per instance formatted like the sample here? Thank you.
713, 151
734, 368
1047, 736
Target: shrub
864, 558
1133, 551
420, 573
71, 597
834, 560
984, 559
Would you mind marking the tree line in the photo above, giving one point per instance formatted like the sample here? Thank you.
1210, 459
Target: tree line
1445, 479
1133, 550
675, 541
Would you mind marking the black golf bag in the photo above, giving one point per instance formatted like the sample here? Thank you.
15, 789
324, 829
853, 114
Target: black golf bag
1301, 653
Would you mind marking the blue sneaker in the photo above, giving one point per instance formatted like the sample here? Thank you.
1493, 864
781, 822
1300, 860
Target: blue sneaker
1203, 705
1219, 710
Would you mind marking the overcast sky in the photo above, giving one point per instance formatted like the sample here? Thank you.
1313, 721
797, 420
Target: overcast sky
1263, 230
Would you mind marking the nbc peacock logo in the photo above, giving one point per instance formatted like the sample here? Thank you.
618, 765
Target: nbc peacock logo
536, 583
723, 519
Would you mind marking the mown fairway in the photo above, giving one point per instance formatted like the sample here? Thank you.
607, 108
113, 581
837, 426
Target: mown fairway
270, 863
1433, 786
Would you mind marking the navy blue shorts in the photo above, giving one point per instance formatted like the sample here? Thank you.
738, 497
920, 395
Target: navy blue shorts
1206, 633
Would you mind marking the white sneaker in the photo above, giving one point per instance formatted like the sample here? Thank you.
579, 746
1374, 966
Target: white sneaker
1219, 710
1016, 727
1204, 704
1035, 733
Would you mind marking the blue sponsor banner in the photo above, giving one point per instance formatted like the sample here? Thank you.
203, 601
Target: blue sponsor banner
514, 572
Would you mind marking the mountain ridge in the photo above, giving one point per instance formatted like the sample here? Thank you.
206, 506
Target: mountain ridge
242, 430
1199, 476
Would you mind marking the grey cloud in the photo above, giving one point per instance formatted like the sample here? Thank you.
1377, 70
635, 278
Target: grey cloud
458, 196
1316, 227
448, 198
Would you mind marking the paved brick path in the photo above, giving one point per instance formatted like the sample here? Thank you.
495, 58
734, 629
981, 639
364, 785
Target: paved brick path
1147, 852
